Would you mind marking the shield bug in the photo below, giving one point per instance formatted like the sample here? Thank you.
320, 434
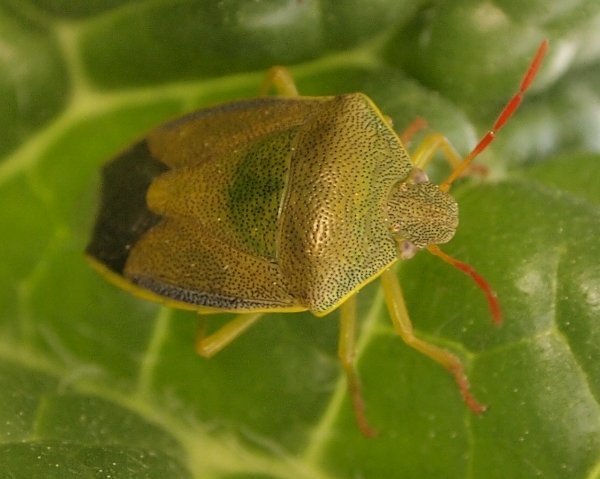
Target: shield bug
282, 204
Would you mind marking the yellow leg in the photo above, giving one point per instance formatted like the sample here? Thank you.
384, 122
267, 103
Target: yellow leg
430, 146
208, 346
403, 326
281, 79
346, 351
438, 142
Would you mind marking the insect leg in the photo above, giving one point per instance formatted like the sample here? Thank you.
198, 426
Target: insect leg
281, 80
397, 308
208, 346
438, 142
418, 124
430, 146
346, 351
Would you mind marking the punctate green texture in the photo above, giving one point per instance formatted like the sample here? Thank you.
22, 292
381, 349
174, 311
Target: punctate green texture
93, 381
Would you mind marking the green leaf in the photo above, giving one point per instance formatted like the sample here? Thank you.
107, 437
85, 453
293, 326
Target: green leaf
97, 383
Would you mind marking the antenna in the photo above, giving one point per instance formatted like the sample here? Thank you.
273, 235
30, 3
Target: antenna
505, 114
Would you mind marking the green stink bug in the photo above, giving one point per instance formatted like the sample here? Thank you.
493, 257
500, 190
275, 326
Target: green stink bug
282, 204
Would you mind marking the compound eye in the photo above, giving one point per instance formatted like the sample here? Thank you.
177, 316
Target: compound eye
407, 249
419, 176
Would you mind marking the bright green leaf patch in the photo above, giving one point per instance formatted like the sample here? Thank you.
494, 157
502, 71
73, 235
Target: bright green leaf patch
96, 383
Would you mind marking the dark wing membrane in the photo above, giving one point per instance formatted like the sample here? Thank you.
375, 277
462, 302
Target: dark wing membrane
124, 217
